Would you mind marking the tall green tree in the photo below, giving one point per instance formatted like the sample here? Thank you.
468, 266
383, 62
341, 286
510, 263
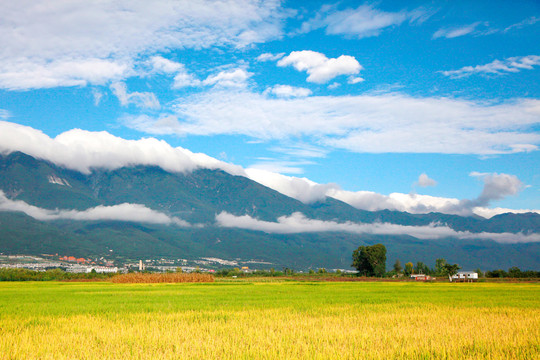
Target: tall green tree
450, 270
409, 269
422, 268
370, 260
439, 266
397, 266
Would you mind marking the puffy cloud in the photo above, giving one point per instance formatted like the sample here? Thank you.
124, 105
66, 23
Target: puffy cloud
288, 91
497, 187
25, 73
123, 212
361, 22
301, 189
228, 78
45, 46
270, 57
84, 150
163, 65
497, 67
355, 80
320, 68
424, 181
380, 123
183, 79
143, 100
298, 223
412, 203
490, 212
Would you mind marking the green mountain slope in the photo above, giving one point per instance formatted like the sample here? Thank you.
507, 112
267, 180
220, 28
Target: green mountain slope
198, 196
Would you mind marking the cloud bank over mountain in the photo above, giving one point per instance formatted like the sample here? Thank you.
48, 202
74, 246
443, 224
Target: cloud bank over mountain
122, 212
292, 224
84, 150
298, 223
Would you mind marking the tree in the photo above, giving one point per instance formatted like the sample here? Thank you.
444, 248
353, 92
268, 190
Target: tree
479, 272
398, 267
450, 270
421, 268
439, 266
409, 268
370, 260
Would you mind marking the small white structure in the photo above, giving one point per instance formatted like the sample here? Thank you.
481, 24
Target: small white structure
102, 269
465, 276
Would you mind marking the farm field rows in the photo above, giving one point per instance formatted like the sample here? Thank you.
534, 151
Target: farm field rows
274, 320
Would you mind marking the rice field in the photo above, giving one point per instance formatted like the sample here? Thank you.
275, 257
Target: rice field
273, 320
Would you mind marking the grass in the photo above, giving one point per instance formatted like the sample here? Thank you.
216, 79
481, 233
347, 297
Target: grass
274, 320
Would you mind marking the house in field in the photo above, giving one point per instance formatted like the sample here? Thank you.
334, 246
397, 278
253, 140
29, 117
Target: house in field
421, 277
465, 276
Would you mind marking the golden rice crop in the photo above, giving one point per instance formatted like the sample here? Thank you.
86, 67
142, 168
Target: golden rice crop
270, 321
162, 278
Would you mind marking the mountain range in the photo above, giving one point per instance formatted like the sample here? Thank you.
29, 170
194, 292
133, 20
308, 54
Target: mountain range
143, 212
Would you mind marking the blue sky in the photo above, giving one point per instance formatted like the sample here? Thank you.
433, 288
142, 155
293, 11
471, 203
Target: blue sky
365, 95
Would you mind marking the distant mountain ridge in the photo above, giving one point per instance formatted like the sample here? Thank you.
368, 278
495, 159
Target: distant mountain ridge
198, 196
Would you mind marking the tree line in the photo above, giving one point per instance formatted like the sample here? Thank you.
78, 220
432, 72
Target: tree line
7, 274
371, 261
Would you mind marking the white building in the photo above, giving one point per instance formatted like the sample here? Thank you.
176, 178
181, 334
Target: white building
102, 269
465, 276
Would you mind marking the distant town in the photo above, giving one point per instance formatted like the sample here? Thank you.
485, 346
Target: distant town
102, 264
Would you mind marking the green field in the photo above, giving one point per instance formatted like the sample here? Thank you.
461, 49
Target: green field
273, 320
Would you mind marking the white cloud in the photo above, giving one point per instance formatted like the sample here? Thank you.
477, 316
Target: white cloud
84, 150
288, 91
424, 181
270, 57
23, 73
280, 166
380, 123
301, 189
361, 22
98, 95
490, 212
298, 223
497, 187
450, 33
163, 65
122, 212
355, 80
144, 100
229, 78
527, 22
46, 46
320, 68
183, 79
301, 150
496, 67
